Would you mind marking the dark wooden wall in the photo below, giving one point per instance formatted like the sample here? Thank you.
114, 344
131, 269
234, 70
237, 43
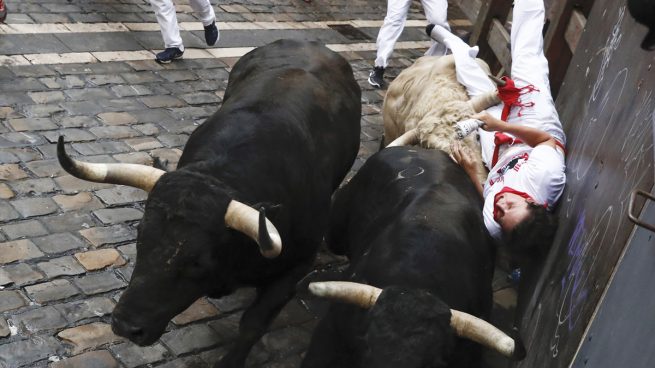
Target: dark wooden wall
606, 104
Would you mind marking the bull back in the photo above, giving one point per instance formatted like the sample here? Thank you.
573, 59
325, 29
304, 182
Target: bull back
410, 219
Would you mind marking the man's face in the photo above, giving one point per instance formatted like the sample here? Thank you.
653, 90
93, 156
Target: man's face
510, 210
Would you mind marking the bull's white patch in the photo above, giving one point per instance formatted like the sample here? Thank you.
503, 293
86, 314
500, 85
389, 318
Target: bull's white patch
410, 172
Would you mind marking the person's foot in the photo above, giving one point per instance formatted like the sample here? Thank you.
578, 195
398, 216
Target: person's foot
211, 34
376, 78
169, 55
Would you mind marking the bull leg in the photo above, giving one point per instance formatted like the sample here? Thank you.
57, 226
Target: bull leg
256, 319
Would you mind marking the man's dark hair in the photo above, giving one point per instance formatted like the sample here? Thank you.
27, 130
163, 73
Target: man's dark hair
534, 235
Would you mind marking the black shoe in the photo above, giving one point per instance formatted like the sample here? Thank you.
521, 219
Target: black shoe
211, 34
169, 55
376, 78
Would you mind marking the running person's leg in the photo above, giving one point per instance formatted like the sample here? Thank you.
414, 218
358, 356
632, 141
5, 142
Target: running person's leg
167, 19
436, 12
204, 10
391, 29
207, 17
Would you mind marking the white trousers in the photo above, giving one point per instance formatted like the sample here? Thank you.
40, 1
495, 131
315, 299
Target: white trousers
167, 19
436, 12
529, 66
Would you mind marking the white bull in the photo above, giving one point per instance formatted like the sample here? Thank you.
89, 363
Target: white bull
424, 103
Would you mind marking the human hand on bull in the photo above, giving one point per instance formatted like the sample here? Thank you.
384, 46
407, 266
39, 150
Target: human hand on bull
491, 124
463, 156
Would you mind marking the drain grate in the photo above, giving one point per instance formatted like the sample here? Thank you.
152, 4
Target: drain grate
350, 32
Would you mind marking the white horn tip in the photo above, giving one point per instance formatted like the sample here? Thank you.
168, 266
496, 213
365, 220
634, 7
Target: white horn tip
318, 288
506, 346
276, 249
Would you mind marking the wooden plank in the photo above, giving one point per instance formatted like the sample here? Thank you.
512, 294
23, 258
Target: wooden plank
574, 29
606, 104
470, 8
490, 10
556, 49
499, 41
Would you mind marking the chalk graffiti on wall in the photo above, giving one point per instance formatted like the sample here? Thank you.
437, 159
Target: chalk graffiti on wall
612, 44
613, 106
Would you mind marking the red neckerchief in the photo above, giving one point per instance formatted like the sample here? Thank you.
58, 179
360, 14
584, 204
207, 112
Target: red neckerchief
513, 191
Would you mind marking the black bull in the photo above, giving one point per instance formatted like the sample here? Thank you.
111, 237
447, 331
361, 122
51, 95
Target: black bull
410, 222
284, 138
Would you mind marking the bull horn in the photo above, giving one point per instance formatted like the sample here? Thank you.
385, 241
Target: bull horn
484, 101
255, 225
134, 175
408, 138
499, 82
464, 324
486, 334
362, 295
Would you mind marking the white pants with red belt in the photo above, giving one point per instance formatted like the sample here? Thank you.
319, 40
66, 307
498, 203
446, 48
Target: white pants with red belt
529, 66
436, 12
167, 19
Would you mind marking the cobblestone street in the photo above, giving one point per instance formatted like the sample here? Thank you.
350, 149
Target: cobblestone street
86, 70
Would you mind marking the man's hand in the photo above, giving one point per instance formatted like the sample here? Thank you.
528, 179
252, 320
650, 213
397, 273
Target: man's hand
465, 158
529, 135
491, 124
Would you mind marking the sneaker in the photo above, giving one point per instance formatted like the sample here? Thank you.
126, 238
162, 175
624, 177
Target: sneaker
169, 55
211, 34
376, 78
3, 11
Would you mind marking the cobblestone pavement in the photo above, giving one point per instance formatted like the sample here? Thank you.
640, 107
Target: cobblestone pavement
84, 69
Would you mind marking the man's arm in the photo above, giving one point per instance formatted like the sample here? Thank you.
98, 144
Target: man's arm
531, 136
464, 157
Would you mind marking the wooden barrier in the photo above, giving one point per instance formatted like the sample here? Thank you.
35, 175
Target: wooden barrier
607, 106
565, 23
